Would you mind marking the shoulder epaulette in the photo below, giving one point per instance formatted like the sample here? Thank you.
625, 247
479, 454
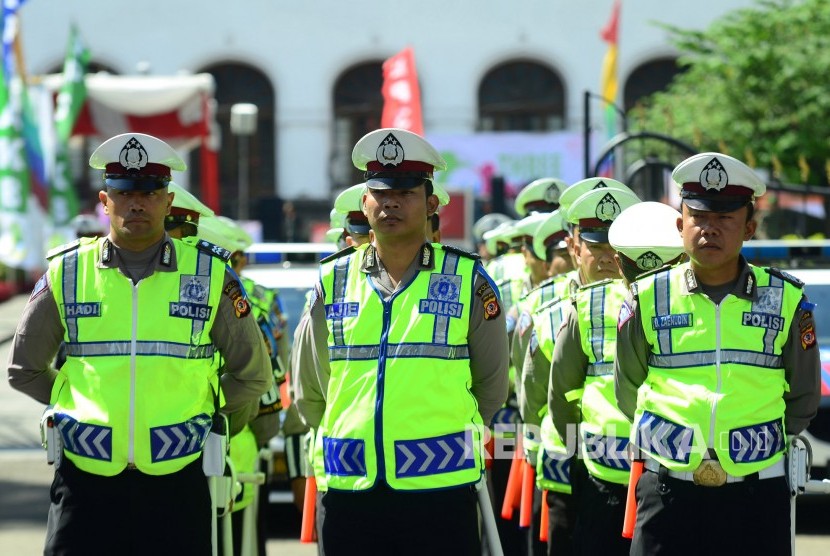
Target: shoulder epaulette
459, 251
65, 248
542, 284
596, 284
653, 271
212, 249
341, 253
778, 273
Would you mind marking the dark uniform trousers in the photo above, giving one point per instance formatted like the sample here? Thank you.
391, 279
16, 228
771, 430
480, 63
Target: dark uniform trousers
383, 521
561, 520
600, 512
678, 517
128, 514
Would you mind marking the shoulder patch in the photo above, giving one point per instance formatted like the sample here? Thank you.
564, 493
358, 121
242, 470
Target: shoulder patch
341, 253
61, 249
461, 252
213, 249
786, 276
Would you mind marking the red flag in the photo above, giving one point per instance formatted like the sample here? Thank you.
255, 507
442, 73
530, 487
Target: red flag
401, 95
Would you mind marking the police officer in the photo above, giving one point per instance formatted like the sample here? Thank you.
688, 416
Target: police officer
411, 362
716, 364
483, 225
141, 315
581, 393
183, 219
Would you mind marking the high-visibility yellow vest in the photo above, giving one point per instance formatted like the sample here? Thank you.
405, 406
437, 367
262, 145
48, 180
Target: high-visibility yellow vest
604, 429
716, 377
139, 382
553, 288
398, 406
553, 463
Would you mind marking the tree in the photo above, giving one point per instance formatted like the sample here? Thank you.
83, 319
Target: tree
755, 85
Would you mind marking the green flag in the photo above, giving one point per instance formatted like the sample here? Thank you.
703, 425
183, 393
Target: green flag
14, 184
63, 200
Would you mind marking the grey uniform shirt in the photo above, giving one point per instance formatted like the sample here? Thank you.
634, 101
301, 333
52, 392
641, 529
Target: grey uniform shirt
40, 333
487, 342
801, 366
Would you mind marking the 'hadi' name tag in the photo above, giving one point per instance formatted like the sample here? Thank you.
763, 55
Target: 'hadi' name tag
75, 310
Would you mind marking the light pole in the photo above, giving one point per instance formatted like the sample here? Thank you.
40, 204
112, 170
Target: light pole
243, 125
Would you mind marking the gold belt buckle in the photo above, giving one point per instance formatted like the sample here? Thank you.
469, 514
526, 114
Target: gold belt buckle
710, 474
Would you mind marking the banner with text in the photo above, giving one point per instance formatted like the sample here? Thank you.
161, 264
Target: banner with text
473, 159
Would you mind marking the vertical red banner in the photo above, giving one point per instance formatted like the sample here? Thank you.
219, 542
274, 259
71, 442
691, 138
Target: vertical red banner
401, 95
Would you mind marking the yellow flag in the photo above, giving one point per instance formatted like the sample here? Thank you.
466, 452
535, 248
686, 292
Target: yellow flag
804, 167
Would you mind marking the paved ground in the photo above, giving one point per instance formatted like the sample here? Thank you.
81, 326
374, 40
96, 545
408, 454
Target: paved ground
25, 478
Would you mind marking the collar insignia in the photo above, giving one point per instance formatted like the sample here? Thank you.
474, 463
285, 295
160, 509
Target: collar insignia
691, 281
106, 251
166, 254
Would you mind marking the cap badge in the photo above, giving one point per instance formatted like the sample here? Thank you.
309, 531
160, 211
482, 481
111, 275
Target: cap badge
649, 261
714, 176
133, 156
600, 184
390, 152
608, 208
551, 194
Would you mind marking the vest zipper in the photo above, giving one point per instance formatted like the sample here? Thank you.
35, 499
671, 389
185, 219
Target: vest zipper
384, 340
133, 350
711, 443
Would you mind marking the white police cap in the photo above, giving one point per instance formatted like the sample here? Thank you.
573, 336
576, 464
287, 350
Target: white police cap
528, 225
396, 159
503, 233
224, 232
488, 222
350, 203
551, 232
540, 195
440, 191
334, 234
581, 187
336, 218
594, 211
88, 225
136, 162
716, 182
186, 208
646, 233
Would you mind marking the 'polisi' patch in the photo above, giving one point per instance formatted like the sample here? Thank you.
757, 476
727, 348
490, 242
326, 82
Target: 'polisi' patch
76, 310
442, 299
341, 310
763, 320
664, 322
194, 311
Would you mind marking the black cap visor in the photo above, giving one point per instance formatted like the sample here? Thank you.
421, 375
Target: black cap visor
716, 203
358, 227
397, 182
594, 235
136, 183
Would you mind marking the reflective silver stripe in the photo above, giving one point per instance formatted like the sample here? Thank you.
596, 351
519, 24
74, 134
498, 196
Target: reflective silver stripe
441, 327
167, 349
662, 306
597, 337
341, 276
203, 264
368, 353
727, 356
600, 369
772, 333
70, 291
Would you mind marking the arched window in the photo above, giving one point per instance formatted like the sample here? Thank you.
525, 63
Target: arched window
235, 83
521, 96
358, 106
649, 78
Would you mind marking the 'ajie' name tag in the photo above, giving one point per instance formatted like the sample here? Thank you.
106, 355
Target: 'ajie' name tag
341, 310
